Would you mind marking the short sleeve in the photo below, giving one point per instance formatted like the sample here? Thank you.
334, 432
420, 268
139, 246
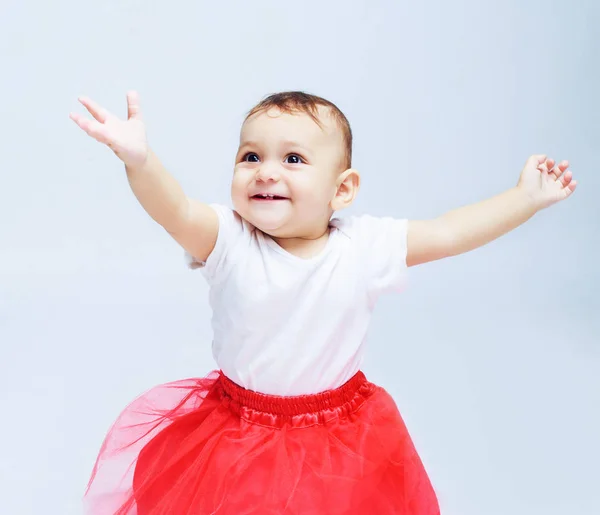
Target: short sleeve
382, 245
231, 228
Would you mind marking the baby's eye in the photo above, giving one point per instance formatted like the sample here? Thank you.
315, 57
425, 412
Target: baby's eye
294, 159
250, 157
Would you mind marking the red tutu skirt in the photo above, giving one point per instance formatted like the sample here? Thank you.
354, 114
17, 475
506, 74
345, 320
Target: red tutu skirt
208, 446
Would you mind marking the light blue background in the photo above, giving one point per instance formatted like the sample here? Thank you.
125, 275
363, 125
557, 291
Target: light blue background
493, 356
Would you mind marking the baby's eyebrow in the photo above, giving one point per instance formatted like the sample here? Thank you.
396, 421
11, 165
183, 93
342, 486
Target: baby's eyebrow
284, 144
245, 144
291, 143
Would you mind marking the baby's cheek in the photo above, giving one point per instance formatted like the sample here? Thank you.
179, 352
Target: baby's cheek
317, 203
239, 197
312, 187
239, 183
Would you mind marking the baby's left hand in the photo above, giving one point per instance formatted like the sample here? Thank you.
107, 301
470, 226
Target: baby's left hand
545, 181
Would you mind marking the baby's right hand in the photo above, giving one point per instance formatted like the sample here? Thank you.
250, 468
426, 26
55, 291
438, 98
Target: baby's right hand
127, 139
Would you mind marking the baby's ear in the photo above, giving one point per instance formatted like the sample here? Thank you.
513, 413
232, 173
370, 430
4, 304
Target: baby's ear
347, 186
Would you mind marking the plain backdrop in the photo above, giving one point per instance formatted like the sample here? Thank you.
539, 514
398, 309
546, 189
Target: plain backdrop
493, 357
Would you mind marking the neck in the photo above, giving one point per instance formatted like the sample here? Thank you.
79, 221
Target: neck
304, 246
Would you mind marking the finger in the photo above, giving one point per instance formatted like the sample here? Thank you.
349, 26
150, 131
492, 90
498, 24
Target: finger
568, 191
566, 178
133, 105
536, 159
98, 112
572, 186
546, 165
559, 169
553, 171
93, 128
77, 118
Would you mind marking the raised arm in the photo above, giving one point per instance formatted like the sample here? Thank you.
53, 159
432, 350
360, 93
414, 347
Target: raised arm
541, 184
192, 224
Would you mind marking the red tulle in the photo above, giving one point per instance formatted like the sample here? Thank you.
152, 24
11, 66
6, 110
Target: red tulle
208, 446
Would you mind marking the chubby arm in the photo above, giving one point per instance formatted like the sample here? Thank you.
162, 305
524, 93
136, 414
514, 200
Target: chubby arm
194, 225
468, 227
541, 184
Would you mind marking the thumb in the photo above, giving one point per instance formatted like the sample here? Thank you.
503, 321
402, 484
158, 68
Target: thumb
537, 159
133, 106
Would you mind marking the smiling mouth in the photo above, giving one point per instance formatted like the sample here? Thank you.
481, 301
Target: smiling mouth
267, 197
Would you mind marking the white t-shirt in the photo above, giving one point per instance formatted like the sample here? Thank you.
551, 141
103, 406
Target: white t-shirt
285, 325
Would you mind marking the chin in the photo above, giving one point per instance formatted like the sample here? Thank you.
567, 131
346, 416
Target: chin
268, 219
269, 225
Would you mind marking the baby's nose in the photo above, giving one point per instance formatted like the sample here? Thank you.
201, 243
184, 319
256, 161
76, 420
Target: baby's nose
267, 173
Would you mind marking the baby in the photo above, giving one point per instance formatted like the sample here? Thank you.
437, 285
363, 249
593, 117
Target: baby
288, 423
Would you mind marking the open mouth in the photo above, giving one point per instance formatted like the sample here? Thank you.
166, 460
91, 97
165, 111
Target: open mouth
266, 197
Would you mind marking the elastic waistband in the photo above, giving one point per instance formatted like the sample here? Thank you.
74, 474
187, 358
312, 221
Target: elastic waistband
300, 404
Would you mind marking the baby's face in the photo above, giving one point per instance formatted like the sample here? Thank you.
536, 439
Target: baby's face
286, 172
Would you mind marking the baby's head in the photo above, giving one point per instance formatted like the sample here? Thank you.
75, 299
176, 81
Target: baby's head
293, 165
